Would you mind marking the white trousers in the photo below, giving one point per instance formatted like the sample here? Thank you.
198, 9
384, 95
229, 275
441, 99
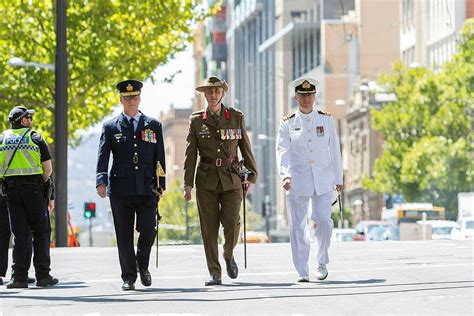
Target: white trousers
299, 229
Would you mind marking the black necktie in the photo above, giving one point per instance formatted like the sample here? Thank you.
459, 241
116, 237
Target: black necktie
131, 124
216, 118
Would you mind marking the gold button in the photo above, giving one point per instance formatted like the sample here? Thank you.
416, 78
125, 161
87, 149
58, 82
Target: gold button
217, 132
202, 136
218, 150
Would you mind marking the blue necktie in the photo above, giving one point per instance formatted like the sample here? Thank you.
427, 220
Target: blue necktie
132, 126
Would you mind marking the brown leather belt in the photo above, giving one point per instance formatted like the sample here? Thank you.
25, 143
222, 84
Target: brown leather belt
219, 162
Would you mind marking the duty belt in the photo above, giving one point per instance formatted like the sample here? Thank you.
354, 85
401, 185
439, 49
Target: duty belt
11, 183
219, 162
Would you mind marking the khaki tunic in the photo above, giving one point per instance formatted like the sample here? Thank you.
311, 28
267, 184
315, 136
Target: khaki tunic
218, 188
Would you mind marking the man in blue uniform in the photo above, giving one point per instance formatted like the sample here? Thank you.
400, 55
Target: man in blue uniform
25, 165
135, 182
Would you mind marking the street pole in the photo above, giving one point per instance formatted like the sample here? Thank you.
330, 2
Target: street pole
91, 243
61, 130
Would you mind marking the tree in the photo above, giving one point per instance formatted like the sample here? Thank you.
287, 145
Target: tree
108, 40
428, 148
173, 211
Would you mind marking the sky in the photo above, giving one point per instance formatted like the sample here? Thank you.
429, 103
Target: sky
157, 97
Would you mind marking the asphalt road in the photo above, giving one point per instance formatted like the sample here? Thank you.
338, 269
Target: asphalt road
365, 278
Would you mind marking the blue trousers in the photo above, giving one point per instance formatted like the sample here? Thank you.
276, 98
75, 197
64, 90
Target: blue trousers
124, 209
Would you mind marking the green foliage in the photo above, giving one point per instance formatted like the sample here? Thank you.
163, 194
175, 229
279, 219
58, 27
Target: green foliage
335, 215
173, 211
428, 136
108, 41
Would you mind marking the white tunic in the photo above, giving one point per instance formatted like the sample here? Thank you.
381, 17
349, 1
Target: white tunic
308, 152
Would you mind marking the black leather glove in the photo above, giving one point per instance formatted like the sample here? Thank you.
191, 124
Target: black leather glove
49, 189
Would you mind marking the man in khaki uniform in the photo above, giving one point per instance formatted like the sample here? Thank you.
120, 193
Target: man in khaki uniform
215, 133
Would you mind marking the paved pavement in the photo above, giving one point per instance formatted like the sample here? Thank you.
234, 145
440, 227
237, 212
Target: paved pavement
365, 278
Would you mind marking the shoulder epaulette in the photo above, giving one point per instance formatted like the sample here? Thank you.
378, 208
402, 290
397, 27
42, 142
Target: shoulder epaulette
287, 117
324, 113
235, 110
198, 112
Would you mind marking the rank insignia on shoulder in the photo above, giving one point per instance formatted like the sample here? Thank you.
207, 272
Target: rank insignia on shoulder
287, 117
324, 113
148, 136
231, 133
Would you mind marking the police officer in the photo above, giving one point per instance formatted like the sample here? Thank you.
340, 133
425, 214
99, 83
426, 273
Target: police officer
310, 166
5, 234
25, 162
136, 180
215, 133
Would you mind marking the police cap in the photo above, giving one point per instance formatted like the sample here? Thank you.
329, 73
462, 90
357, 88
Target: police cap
18, 112
129, 87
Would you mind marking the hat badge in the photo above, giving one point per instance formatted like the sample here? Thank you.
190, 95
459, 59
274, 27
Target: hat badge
129, 87
306, 85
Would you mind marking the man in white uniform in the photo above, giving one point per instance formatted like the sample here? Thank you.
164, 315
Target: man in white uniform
310, 165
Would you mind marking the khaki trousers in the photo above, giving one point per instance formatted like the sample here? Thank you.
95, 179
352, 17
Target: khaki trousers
218, 206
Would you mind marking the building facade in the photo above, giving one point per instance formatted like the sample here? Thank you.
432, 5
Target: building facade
175, 124
429, 30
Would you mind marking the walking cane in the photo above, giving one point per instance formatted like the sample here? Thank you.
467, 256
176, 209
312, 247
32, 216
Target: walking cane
243, 173
341, 213
158, 217
159, 193
244, 193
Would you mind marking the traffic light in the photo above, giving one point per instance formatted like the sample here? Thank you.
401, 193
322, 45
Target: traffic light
89, 209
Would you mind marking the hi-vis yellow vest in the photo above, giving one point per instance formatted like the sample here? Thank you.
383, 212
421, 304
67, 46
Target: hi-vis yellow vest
27, 158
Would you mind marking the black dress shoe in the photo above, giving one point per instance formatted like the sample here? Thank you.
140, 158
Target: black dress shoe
145, 277
232, 269
128, 286
14, 284
1, 281
47, 282
214, 280
30, 280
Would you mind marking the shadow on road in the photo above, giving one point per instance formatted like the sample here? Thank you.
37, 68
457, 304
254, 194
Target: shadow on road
160, 294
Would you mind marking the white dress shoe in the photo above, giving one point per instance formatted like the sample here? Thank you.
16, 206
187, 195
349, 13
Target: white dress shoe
303, 279
322, 272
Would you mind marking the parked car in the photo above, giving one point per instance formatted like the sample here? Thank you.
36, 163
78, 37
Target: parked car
467, 226
256, 237
362, 229
440, 229
343, 234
